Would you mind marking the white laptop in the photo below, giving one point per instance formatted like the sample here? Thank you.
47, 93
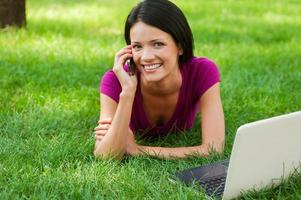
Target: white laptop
264, 152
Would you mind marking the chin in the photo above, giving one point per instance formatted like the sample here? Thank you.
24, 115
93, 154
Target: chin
152, 78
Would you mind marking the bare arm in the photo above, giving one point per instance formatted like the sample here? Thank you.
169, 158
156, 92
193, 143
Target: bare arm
213, 131
117, 138
172, 152
213, 122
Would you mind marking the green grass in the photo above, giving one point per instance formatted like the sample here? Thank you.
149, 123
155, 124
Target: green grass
49, 99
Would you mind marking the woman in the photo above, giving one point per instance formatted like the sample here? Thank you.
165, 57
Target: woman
165, 92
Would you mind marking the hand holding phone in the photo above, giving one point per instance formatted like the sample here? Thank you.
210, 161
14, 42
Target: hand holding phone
132, 67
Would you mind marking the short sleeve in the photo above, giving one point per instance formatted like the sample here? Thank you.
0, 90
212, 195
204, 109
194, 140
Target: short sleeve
211, 76
110, 85
204, 74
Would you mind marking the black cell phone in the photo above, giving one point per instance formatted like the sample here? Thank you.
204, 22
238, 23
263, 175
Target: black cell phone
132, 67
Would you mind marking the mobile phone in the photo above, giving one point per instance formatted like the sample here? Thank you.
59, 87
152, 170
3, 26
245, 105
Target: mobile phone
132, 67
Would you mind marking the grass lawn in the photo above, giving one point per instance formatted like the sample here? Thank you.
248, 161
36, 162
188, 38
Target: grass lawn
49, 102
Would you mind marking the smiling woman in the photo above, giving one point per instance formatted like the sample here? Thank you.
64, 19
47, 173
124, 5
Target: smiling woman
152, 47
169, 86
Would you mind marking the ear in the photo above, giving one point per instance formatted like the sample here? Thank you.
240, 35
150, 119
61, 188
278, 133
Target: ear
180, 50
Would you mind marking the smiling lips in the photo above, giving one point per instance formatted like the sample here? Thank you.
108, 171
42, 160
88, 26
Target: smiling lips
153, 67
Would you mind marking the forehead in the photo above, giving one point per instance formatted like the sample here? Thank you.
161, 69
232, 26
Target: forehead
142, 32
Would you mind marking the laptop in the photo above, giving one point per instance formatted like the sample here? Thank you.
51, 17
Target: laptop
264, 153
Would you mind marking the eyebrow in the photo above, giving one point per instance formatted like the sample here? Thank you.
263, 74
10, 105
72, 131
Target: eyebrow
155, 40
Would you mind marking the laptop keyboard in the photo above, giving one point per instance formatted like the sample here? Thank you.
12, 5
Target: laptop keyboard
214, 186
211, 177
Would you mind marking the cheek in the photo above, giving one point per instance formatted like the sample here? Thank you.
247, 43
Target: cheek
169, 55
136, 60
170, 51
135, 57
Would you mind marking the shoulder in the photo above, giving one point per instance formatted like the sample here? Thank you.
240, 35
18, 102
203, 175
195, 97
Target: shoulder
200, 64
110, 85
201, 68
109, 75
109, 79
201, 73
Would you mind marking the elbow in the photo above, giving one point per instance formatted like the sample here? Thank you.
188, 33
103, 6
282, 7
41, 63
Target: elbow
216, 147
97, 153
218, 144
107, 153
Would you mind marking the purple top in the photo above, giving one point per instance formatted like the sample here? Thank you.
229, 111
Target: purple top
198, 75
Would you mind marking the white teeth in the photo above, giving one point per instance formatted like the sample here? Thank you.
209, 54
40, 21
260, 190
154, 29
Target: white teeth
151, 67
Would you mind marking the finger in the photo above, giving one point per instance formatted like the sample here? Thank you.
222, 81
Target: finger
101, 132
99, 138
124, 50
119, 63
105, 121
119, 54
102, 127
124, 57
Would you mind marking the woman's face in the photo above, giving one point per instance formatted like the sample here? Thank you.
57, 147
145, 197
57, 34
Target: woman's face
154, 52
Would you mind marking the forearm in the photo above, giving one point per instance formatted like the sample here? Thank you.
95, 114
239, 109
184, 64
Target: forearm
114, 142
173, 152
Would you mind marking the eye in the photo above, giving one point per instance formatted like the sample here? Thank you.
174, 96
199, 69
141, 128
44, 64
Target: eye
158, 44
136, 47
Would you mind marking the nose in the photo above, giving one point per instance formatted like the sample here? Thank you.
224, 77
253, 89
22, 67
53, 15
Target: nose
147, 55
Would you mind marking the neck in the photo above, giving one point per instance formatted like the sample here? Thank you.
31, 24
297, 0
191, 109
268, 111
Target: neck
165, 87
